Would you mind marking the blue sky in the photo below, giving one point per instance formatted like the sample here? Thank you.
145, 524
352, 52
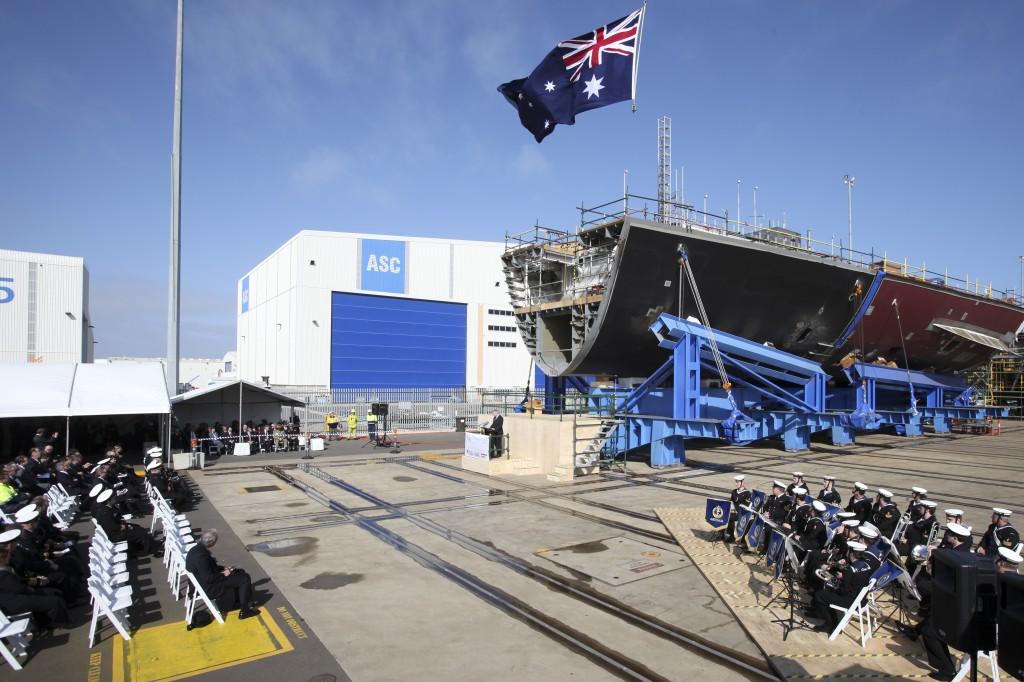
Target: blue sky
383, 117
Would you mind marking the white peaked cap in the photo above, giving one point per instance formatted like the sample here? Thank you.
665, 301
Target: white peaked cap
105, 495
856, 546
818, 505
959, 529
870, 532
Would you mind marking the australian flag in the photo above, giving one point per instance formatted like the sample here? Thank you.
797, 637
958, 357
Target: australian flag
594, 70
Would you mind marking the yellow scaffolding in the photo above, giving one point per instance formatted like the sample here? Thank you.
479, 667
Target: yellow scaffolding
1006, 382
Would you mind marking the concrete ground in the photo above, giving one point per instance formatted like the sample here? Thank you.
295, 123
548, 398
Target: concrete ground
370, 611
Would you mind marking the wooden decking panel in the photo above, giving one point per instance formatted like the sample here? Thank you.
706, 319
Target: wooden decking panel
744, 585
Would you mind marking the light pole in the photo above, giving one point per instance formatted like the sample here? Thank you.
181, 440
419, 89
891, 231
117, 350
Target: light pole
706, 220
756, 224
849, 180
1020, 292
738, 204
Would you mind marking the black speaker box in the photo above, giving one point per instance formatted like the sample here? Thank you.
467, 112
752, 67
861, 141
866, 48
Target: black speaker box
379, 409
964, 604
1011, 624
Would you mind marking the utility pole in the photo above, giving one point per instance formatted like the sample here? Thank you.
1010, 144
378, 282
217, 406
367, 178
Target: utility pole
756, 223
706, 216
849, 180
174, 276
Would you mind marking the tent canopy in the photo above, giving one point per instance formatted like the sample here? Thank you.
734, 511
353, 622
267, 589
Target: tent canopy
220, 403
82, 390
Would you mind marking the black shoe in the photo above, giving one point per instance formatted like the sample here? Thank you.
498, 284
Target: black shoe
822, 628
248, 613
941, 676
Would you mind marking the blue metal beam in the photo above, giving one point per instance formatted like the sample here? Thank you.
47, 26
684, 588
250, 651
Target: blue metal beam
869, 300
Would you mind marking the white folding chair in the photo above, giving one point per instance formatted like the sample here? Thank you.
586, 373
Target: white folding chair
13, 638
195, 592
965, 665
111, 604
858, 608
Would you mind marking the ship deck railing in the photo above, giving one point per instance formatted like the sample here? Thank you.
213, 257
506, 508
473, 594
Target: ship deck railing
687, 217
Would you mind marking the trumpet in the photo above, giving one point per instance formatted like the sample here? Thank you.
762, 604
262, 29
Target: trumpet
901, 527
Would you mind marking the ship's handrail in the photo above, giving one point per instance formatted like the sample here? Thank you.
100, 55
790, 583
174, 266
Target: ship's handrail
687, 217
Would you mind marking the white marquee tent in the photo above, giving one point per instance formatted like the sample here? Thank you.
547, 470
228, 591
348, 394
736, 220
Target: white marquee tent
82, 390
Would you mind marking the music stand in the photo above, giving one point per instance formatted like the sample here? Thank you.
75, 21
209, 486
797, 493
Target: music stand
791, 622
309, 452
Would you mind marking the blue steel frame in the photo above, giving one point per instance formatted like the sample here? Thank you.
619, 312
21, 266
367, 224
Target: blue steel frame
779, 394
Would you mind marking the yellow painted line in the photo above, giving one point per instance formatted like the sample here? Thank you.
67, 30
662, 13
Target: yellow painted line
168, 652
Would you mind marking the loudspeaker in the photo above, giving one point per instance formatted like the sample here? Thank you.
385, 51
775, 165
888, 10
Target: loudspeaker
964, 604
1011, 624
379, 409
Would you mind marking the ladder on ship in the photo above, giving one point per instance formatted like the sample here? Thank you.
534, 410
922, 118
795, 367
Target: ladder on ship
597, 434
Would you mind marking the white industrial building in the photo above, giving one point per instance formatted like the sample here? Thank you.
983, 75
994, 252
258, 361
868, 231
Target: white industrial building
347, 310
44, 308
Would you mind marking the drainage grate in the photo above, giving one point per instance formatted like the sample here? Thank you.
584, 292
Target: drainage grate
262, 488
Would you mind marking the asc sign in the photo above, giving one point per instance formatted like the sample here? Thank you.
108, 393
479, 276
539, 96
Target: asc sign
382, 265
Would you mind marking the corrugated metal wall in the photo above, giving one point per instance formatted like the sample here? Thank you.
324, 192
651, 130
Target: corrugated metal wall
390, 341
43, 310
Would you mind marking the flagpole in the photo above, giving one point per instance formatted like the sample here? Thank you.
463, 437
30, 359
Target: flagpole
174, 275
636, 58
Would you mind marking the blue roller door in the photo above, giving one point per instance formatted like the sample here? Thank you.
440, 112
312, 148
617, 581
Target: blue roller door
385, 341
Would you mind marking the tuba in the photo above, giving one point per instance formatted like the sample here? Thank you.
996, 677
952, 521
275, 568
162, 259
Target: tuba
901, 527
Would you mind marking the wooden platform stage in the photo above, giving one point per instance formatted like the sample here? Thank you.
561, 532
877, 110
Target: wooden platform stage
745, 586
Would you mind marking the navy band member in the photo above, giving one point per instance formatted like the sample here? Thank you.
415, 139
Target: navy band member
887, 515
828, 494
999, 534
954, 516
1009, 561
740, 495
854, 577
916, 495
796, 519
775, 508
798, 482
918, 532
859, 504
873, 554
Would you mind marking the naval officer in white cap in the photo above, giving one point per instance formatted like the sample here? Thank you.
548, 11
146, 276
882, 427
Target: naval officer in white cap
999, 534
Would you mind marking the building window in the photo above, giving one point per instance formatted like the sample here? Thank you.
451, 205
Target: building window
501, 344
500, 328
494, 311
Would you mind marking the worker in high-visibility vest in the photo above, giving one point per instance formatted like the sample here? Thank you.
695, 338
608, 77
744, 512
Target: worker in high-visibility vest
371, 426
331, 420
353, 422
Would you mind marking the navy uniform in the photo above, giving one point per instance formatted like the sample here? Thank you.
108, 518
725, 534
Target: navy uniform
830, 496
887, 516
798, 482
953, 516
999, 536
858, 504
854, 578
913, 508
110, 521
798, 514
916, 534
739, 496
873, 553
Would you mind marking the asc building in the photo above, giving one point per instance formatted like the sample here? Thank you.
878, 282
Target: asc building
44, 308
345, 310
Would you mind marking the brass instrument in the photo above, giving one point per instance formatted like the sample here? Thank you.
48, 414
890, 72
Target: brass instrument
901, 528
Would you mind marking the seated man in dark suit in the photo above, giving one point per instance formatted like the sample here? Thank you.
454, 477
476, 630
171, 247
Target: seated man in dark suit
218, 581
109, 519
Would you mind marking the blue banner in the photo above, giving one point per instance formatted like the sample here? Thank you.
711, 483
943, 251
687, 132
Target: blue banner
757, 499
382, 265
742, 521
754, 533
717, 513
830, 511
775, 548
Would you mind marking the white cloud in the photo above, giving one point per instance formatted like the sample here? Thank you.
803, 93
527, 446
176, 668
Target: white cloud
322, 166
530, 161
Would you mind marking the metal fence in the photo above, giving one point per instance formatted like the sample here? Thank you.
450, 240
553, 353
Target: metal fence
409, 409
